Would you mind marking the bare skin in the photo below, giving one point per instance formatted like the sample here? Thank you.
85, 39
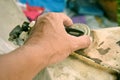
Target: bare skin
48, 43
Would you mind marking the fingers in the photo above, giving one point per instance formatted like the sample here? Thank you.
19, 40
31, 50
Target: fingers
58, 17
66, 20
80, 42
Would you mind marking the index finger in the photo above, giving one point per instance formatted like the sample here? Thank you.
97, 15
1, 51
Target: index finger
66, 20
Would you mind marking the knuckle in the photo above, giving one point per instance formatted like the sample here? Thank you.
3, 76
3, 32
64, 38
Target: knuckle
38, 17
63, 14
51, 14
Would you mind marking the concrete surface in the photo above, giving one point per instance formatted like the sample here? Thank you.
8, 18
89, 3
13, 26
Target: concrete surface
10, 16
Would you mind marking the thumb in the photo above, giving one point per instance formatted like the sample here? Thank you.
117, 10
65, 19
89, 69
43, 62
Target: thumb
80, 42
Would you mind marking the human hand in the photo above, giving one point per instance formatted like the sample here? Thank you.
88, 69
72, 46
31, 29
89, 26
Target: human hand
50, 40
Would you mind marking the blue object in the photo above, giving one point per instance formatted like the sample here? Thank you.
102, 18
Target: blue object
49, 5
86, 7
91, 10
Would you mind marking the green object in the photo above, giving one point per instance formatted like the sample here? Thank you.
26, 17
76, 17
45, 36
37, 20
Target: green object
15, 33
118, 12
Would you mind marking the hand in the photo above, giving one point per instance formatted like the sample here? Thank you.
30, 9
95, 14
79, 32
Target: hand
48, 43
50, 35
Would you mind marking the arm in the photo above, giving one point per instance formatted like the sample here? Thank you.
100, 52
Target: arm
48, 43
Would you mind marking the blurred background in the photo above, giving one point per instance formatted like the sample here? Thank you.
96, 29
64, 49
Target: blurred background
95, 13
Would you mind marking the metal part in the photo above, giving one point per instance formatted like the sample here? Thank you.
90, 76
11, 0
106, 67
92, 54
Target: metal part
74, 32
78, 29
25, 26
15, 34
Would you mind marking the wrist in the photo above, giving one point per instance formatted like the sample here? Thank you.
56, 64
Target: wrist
36, 55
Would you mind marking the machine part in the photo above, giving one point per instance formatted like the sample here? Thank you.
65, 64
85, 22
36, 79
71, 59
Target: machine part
25, 26
32, 23
82, 27
19, 41
24, 36
74, 32
78, 30
15, 33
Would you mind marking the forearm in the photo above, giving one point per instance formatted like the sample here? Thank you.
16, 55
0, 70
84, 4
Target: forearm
48, 43
21, 64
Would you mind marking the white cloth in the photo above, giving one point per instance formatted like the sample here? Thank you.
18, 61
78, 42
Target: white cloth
5, 47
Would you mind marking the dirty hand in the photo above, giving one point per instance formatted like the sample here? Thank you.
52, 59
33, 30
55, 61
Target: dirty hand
50, 40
